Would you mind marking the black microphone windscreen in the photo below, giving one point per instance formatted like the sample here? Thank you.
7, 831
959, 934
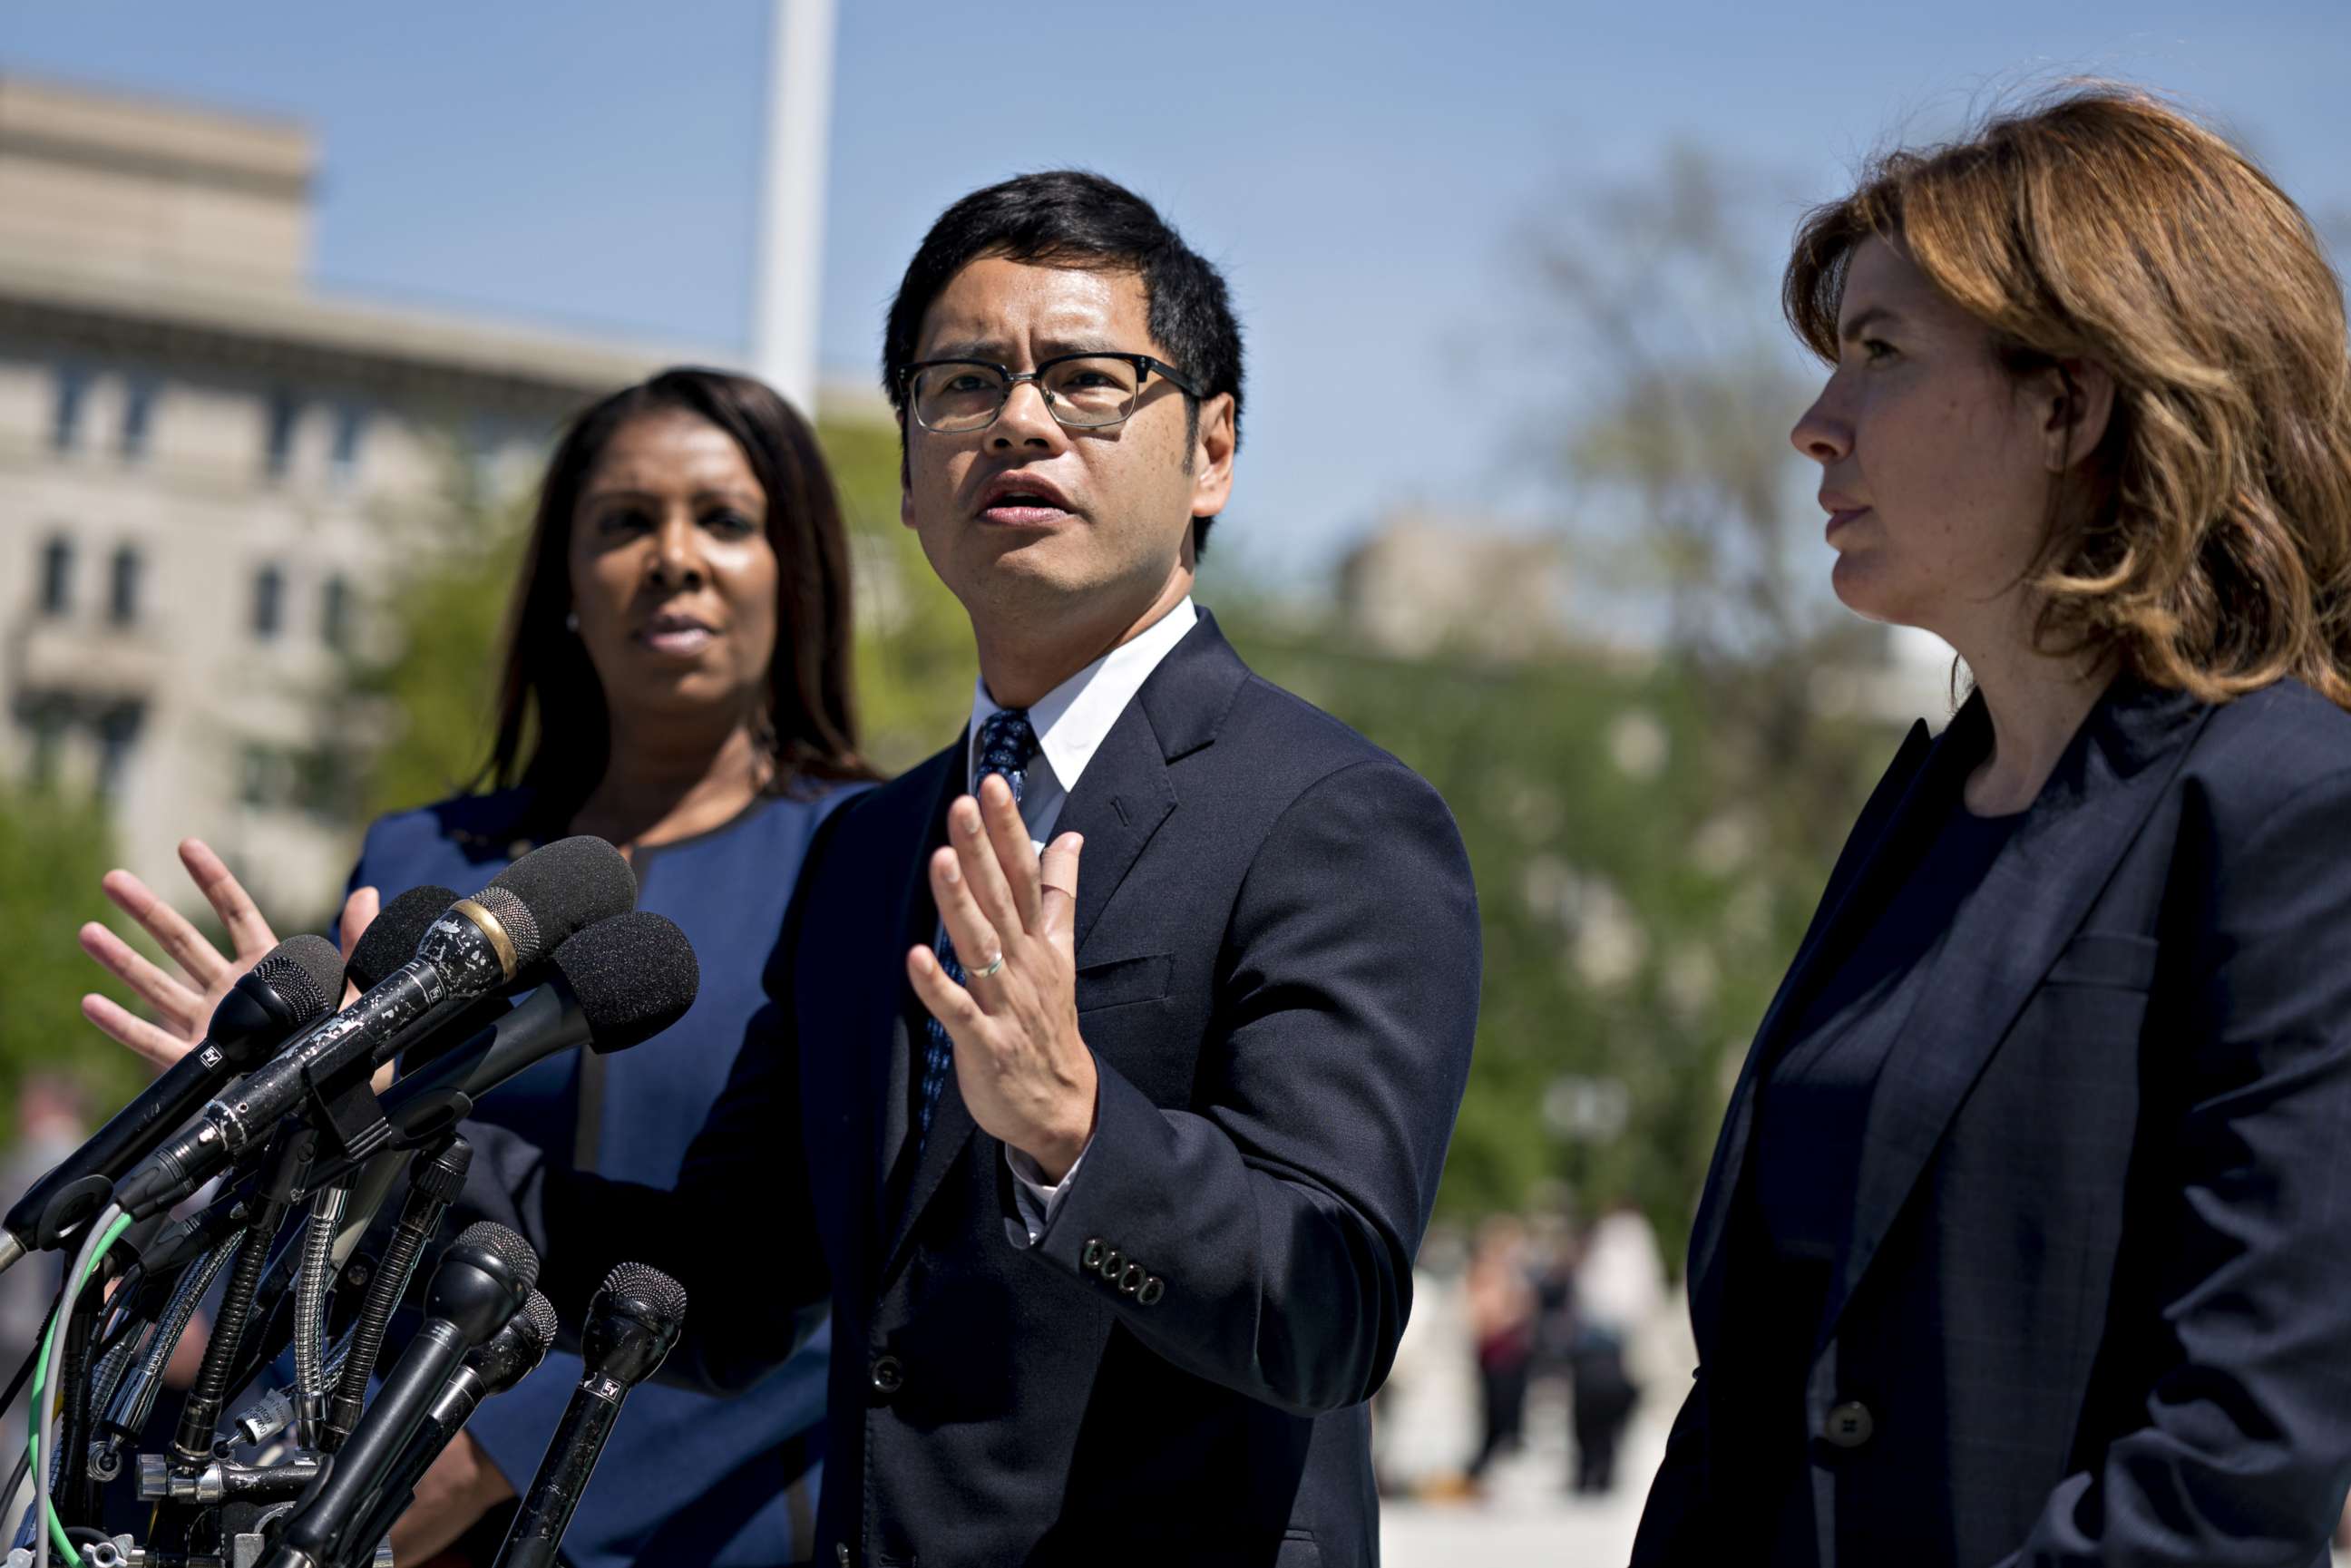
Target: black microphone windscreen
537, 1320
566, 886
507, 1245
306, 970
664, 1295
391, 937
635, 975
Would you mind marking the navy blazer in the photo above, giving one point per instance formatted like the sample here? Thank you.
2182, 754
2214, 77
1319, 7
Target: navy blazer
727, 1482
1278, 967
2095, 1307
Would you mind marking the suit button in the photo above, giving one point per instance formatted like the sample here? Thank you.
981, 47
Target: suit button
1111, 1262
1152, 1289
887, 1377
1130, 1279
1849, 1426
1093, 1254
840, 1553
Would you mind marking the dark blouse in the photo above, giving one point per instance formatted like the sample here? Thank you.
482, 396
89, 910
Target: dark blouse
1812, 1109
685, 1477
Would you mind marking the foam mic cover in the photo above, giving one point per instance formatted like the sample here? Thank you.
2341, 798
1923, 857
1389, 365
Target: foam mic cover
615, 985
634, 975
562, 888
391, 938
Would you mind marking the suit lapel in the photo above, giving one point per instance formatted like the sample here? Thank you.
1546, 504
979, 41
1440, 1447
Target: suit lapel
1118, 804
1897, 795
2004, 940
910, 918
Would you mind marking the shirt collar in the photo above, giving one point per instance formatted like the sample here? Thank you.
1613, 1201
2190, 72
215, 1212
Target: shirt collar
1072, 719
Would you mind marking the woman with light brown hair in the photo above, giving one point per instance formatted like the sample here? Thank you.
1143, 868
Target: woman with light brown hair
2028, 1238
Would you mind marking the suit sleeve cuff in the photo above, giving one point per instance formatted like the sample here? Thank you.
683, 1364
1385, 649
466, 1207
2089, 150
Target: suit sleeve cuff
1037, 1198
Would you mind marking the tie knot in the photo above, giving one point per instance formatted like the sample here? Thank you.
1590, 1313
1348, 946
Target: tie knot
1007, 743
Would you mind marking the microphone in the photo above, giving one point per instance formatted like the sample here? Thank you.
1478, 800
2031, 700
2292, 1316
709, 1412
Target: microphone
483, 1281
615, 985
390, 941
391, 937
477, 945
631, 1326
495, 1365
295, 983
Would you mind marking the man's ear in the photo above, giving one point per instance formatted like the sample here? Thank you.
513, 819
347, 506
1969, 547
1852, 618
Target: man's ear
2079, 397
1212, 457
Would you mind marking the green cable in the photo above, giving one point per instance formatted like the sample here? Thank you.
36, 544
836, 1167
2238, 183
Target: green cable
40, 1371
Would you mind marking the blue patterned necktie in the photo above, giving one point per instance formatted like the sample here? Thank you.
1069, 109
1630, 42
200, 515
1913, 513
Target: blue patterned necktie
1007, 743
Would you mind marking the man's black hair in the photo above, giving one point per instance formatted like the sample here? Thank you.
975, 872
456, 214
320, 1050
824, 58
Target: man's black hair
1071, 217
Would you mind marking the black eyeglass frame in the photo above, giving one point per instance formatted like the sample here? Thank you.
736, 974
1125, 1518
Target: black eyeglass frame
1144, 364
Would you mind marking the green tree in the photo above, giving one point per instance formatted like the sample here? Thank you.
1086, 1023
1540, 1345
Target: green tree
1637, 900
55, 848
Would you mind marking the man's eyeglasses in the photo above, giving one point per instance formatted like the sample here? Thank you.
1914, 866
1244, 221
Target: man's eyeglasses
1084, 392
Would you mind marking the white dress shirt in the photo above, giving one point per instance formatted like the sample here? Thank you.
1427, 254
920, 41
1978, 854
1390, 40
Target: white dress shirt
1071, 722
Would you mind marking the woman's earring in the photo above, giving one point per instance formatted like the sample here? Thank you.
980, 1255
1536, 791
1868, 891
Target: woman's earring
571, 622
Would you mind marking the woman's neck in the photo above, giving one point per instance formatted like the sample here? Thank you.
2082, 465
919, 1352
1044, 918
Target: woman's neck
658, 787
2036, 702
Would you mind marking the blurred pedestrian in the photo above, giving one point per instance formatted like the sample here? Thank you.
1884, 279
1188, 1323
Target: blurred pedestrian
1619, 1289
1502, 1301
2025, 1240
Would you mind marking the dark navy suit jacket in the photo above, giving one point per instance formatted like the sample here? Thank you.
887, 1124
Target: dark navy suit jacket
2095, 1307
728, 1483
1278, 968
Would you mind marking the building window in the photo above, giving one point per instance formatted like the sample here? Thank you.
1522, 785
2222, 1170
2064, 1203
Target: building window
65, 424
334, 615
138, 417
44, 718
268, 603
285, 413
56, 577
118, 733
344, 458
122, 587
256, 776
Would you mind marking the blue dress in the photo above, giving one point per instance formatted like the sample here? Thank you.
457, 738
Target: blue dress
687, 1477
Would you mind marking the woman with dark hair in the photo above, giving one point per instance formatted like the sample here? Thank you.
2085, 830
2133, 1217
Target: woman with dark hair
2027, 1238
676, 680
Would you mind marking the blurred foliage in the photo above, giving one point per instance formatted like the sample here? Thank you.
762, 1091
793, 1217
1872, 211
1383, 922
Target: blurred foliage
1639, 897
423, 685
914, 645
55, 846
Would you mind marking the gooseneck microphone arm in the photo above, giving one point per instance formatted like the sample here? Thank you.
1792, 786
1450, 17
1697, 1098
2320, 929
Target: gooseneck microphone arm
632, 1326
484, 1279
433, 1187
499, 1363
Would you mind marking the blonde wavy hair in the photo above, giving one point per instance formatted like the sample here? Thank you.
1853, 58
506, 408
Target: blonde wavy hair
2213, 552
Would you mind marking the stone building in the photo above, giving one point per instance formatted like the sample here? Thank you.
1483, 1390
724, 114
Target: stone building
205, 464
1419, 584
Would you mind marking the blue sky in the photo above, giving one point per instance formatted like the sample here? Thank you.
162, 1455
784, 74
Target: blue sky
1365, 172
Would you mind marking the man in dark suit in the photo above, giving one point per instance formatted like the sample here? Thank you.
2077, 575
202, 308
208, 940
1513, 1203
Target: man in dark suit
1120, 1040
